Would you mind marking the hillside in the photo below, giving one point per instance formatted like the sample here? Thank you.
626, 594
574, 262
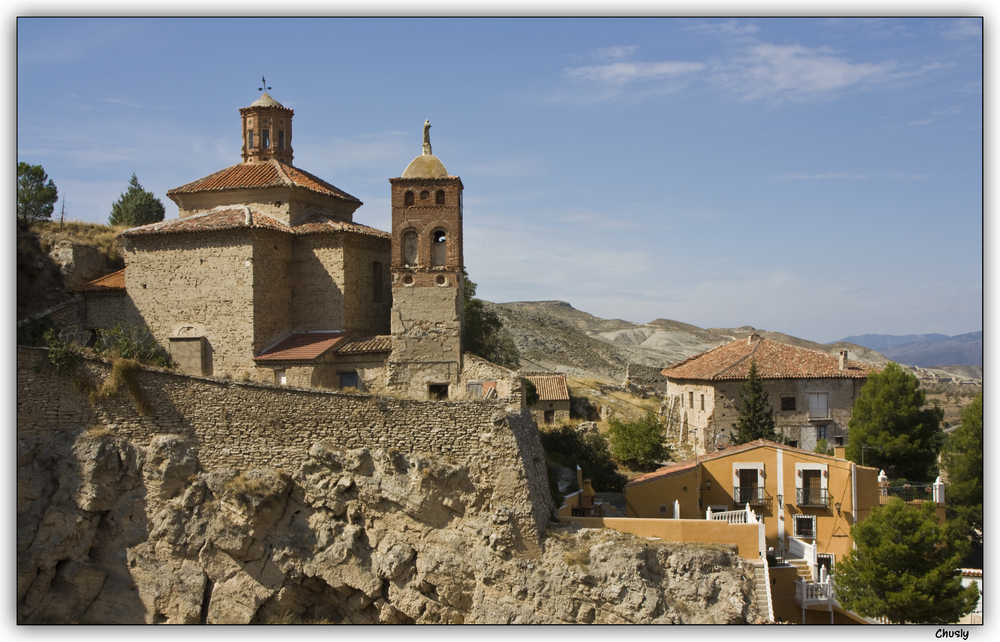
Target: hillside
926, 350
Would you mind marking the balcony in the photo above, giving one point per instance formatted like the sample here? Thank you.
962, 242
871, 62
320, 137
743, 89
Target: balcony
743, 495
812, 497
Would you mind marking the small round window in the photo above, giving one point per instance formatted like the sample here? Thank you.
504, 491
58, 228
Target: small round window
441, 279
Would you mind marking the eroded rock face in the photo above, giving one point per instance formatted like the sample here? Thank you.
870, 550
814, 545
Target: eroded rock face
109, 532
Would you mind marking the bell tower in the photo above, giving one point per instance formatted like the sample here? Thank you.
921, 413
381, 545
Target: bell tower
427, 278
267, 131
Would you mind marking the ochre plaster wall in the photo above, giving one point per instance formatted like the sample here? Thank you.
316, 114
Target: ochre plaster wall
743, 536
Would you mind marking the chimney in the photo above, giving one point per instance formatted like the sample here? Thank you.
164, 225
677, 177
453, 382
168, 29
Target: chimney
840, 452
843, 359
579, 477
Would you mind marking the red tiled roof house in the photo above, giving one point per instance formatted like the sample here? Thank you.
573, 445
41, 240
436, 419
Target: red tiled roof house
553, 398
812, 393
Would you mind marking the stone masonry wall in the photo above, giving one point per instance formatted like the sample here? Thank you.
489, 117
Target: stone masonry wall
363, 315
647, 377
272, 287
199, 280
318, 282
246, 426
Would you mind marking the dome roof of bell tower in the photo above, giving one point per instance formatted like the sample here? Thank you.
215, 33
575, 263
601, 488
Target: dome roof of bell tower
425, 166
266, 101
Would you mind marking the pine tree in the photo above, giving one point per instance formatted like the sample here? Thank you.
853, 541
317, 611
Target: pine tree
963, 459
904, 567
136, 207
36, 195
756, 419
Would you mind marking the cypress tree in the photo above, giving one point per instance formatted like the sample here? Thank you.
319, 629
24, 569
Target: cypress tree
756, 420
136, 207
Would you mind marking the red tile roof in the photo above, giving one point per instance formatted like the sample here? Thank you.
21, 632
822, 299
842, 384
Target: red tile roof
109, 283
303, 346
364, 345
774, 361
242, 217
691, 464
550, 387
270, 173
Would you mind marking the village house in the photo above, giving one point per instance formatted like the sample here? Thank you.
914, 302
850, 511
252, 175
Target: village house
553, 398
265, 276
812, 393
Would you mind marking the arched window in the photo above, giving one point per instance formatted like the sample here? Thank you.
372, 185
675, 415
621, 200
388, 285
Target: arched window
408, 198
439, 247
424, 195
409, 248
440, 197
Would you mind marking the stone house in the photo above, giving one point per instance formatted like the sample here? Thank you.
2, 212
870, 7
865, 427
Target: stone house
266, 276
553, 398
812, 393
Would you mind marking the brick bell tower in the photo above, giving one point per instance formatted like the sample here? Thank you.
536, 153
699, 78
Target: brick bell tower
427, 284
267, 131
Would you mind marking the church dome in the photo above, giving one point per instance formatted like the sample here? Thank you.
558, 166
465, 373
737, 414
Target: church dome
425, 166
266, 101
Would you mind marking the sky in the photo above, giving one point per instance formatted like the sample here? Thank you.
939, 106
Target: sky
821, 177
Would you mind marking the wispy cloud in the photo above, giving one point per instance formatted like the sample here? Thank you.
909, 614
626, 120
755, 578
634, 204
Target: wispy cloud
624, 72
797, 73
920, 123
616, 53
728, 27
132, 104
963, 28
853, 176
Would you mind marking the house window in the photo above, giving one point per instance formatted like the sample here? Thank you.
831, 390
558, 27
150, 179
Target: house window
439, 197
691, 399
820, 432
788, 403
280, 377
805, 526
437, 391
408, 198
838, 441
281, 140
819, 405
349, 380
249, 140
439, 249
424, 195
550, 416
474, 390
793, 443
703, 402
266, 138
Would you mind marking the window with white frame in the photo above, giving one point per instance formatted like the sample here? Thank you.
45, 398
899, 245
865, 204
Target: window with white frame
819, 405
804, 526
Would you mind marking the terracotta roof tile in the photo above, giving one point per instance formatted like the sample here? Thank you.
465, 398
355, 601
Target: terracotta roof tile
271, 173
363, 345
550, 387
302, 346
774, 361
108, 283
237, 218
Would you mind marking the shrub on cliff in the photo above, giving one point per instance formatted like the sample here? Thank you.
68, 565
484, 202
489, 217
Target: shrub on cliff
569, 448
640, 444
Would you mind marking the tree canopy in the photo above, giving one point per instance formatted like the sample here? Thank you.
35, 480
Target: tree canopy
963, 459
640, 444
136, 207
569, 448
902, 437
756, 418
36, 195
484, 334
905, 567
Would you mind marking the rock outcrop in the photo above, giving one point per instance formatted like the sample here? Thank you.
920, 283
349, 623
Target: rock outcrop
109, 532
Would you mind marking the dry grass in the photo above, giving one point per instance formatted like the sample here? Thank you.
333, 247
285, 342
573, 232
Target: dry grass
101, 237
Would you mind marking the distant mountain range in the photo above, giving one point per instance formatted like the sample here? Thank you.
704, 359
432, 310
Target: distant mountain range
925, 350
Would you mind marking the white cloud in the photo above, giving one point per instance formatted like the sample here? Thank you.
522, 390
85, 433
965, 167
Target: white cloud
729, 27
616, 53
796, 73
623, 72
864, 176
964, 28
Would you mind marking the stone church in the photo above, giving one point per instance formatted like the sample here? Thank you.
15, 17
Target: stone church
265, 276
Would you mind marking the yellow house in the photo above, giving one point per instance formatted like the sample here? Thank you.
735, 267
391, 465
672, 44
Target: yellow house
806, 501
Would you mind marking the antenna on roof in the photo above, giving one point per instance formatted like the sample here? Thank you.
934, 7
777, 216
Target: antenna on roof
263, 82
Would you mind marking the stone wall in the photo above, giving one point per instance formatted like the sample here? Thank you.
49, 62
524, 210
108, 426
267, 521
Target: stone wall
364, 313
246, 426
646, 377
317, 267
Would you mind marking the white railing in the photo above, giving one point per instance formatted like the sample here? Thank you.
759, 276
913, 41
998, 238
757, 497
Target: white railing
797, 549
809, 593
745, 516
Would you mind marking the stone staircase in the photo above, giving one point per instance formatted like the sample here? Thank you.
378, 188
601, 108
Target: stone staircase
760, 581
802, 568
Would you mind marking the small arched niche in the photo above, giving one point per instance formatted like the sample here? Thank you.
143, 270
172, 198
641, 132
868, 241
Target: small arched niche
408, 198
409, 247
439, 197
439, 247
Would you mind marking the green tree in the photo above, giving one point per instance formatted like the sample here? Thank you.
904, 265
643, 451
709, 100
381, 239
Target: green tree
136, 207
963, 459
484, 334
904, 567
756, 418
36, 195
567, 447
823, 447
641, 444
902, 437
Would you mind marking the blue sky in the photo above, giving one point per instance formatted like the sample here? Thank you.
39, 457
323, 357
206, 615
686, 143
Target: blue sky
818, 177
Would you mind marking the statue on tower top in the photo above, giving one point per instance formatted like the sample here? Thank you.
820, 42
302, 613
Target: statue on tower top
427, 137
